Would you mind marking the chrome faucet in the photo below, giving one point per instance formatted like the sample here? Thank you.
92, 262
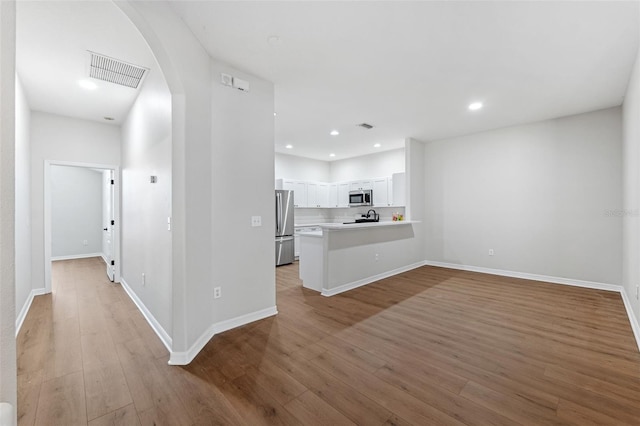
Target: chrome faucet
374, 213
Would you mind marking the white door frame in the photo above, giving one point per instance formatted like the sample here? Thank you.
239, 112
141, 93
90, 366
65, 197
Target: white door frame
47, 214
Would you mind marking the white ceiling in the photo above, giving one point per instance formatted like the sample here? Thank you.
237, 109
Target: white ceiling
411, 68
408, 68
52, 39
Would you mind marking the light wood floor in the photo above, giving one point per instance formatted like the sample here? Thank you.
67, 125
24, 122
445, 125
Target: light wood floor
428, 347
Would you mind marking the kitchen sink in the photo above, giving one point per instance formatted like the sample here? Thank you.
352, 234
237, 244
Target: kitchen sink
363, 220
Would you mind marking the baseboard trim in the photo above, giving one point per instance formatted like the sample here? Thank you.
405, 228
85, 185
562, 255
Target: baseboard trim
369, 280
635, 325
155, 325
528, 276
75, 256
184, 358
25, 308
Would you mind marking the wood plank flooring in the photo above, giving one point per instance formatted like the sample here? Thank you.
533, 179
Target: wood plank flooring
431, 346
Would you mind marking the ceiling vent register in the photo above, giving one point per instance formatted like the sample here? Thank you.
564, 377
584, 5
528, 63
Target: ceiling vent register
365, 125
114, 71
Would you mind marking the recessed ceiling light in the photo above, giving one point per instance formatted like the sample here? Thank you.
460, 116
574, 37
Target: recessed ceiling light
332, 155
289, 146
275, 113
87, 84
377, 145
475, 106
334, 133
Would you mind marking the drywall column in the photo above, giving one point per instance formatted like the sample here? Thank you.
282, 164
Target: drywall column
631, 202
186, 68
414, 192
8, 369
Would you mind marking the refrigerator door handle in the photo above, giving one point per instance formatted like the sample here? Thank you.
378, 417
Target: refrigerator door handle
279, 209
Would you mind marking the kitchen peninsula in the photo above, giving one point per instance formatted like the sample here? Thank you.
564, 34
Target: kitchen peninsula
340, 257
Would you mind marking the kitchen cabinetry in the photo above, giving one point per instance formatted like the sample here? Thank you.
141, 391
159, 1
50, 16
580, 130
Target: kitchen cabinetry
323, 195
299, 189
333, 195
318, 195
361, 184
312, 195
381, 196
343, 194
387, 191
338, 194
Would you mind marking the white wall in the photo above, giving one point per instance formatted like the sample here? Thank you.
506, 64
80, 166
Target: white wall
540, 195
76, 211
146, 241
631, 189
300, 168
368, 166
23, 199
59, 138
8, 382
243, 257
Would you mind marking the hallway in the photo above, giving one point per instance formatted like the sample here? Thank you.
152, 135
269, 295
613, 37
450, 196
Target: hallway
76, 346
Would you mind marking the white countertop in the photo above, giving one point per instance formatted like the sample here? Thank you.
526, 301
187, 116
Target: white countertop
341, 226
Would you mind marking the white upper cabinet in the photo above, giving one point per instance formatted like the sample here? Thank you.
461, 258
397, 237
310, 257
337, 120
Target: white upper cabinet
300, 194
323, 195
381, 196
312, 195
332, 196
299, 189
387, 191
343, 194
361, 184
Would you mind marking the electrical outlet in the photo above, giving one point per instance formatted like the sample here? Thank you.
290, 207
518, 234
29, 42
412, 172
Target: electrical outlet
144, 280
217, 292
638, 292
377, 257
85, 242
256, 220
491, 252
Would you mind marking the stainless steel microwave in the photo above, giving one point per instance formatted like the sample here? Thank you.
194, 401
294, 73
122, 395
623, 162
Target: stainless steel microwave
361, 198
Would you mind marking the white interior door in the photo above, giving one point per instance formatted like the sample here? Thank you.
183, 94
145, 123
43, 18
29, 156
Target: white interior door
109, 229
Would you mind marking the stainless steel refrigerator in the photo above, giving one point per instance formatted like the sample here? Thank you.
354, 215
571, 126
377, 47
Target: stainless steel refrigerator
284, 227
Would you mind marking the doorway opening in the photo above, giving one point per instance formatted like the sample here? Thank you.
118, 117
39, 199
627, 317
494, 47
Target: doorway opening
81, 215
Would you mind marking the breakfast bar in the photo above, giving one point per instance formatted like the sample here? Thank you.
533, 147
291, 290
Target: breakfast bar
340, 257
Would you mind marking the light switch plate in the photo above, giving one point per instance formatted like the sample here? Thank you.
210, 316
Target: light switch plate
256, 220
226, 79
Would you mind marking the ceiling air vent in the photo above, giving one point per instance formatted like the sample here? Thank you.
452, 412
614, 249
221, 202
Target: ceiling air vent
114, 71
365, 126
